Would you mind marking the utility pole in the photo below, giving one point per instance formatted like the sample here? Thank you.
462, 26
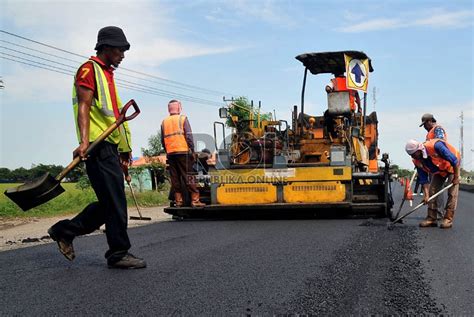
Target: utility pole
374, 96
461, 147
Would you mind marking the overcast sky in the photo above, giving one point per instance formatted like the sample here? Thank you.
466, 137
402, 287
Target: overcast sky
422, 53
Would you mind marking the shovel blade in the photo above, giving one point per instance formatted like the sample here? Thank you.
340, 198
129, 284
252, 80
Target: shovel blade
35, 192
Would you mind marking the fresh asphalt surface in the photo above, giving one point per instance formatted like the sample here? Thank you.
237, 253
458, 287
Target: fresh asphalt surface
255, 267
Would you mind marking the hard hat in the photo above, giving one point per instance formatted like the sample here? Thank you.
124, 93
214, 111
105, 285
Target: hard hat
413, 145
427, 117
112, 36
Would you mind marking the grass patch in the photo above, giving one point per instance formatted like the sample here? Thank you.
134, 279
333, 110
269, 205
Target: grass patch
149, 198
73, 200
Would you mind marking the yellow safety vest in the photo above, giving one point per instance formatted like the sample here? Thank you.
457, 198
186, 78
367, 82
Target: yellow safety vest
102, 113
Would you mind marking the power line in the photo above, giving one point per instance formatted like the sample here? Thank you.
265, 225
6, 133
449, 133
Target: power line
35, 65
32, 61
34, 56
128, 85
122, 68
38, 51
78, 63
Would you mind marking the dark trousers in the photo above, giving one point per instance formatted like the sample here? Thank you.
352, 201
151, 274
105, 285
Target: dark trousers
106, 177
181, 172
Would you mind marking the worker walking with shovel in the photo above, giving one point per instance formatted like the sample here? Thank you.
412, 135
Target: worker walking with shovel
96, 107
442, 161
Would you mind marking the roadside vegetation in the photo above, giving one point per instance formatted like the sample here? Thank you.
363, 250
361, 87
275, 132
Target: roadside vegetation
79, 193
74, 199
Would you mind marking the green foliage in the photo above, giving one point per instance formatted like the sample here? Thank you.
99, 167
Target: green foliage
77, 173
149, 198
395, 169
22, 174
242, 109
41, 169
154, 146
465, 173
136, 172
158, 173
83, 182
73, 200
5, 174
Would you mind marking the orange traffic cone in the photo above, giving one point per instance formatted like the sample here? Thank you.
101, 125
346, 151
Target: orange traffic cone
408, 193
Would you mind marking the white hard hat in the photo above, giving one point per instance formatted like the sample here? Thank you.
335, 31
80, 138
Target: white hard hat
413, 145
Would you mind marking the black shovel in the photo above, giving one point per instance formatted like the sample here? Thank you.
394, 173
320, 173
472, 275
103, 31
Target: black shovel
46, 187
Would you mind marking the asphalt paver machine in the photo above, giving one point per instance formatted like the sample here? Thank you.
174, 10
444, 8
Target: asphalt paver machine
324, 162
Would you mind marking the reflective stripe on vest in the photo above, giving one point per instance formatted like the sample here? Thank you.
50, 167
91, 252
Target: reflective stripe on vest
431, 134
443, 165
173, 134
102, 113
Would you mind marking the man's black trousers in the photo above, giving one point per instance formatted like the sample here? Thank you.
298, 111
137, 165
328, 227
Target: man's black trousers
106, 177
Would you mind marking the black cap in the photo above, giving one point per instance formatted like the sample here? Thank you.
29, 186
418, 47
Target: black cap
112, 36
427, 117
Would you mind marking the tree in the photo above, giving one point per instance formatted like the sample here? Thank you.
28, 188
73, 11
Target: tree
242, 109
77, 173
158, 170
20, 174
41, 169
136, 172
154, 146
5, 174
400, 171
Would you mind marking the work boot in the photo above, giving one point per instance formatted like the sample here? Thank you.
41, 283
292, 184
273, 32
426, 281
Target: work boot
195, 200
65, 246
129, 261
448, 220
178, 200
430, 220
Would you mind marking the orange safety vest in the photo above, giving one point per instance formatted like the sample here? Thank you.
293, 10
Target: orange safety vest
443, 165
431, 135
173, 134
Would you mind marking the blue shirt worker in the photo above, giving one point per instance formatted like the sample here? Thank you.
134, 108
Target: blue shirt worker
441, 161
435, 131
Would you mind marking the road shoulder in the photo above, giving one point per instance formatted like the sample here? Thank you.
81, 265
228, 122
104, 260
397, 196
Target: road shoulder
25, 232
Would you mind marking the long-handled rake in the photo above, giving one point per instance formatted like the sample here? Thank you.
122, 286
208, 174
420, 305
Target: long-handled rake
128, 179
391, 225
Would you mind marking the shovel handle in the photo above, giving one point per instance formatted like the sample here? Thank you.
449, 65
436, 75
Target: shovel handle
421, 204
134, 197
121, 119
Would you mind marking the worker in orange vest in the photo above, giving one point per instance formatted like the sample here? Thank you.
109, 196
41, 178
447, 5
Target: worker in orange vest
177, 140
435, 131
442, 161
